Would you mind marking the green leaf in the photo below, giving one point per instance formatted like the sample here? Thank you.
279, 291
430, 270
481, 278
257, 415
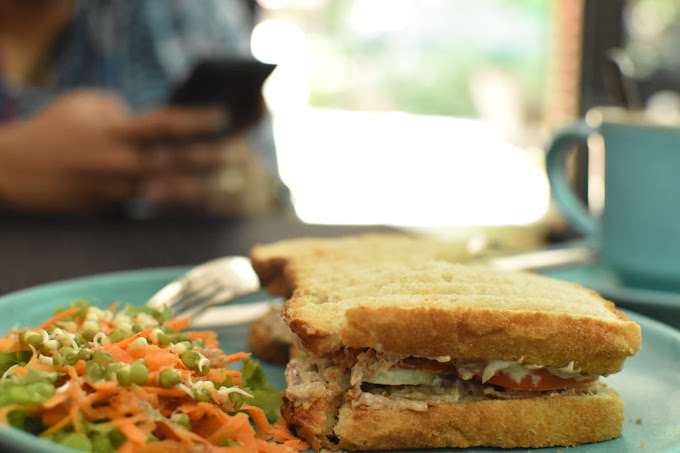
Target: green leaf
20, 419
117, 438
77, 441
7, 359
24, 356
104, 438
101, 443
269, 401
34, 376
253, 376
265, 396
12, 392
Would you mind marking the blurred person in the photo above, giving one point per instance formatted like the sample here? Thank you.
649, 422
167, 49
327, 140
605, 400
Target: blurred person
82, 121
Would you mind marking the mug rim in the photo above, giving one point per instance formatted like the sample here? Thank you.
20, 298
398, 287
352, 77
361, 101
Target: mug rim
596, 116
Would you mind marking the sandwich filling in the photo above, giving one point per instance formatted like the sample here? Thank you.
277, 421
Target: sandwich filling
376, 380
386, 369
368, 374
501, 373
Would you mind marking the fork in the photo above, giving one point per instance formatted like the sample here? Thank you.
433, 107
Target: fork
214, 282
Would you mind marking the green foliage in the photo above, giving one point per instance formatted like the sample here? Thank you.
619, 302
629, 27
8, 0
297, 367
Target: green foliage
265, 396
8, 359
22, 420
429, 67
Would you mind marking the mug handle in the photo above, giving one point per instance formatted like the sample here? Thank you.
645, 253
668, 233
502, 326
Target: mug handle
569, 204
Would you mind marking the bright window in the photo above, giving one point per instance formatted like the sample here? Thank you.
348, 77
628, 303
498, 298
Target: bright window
409, 112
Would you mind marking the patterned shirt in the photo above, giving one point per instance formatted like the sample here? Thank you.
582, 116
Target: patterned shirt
139, 49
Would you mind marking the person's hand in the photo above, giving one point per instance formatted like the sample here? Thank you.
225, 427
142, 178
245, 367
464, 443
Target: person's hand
219, 177
87, 150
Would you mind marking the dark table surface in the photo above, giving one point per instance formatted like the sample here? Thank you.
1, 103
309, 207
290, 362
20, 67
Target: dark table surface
35, 250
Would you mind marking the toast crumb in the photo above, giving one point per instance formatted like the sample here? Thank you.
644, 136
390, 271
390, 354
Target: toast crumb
638, 421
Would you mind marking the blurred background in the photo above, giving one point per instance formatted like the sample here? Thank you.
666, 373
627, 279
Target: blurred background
427, 115
434, 114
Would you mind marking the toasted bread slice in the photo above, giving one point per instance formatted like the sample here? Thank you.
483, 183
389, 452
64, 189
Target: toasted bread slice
271, 260
437, 308
519, 423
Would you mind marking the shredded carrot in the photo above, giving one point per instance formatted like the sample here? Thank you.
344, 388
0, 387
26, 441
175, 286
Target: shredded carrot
80, 367
52, 416
35, 364
74, 414
133, 434
231, 358
117, 353
217, 374
280, 432
20, 371
258, 417
126, 342
172, 392
72, 373
179, 323
55, 400
208, 337
156, 360
59, 316
88, 391
64, 422
105, 386
8, 344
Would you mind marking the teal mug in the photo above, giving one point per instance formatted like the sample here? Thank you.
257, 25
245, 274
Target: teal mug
639, 230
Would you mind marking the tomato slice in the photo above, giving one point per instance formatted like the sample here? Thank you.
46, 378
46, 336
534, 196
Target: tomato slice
544, 382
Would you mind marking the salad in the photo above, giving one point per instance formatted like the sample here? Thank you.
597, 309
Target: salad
131, 381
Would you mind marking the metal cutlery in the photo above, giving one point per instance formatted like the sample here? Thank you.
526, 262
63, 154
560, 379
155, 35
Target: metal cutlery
215, 282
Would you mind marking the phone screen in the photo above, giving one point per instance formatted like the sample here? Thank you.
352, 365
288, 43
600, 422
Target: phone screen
234, 83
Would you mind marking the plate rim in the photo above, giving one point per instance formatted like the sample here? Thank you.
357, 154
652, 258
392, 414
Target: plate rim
109, 277
646, 297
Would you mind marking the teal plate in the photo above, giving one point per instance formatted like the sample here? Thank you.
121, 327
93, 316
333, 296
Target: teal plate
650, 384
655, 303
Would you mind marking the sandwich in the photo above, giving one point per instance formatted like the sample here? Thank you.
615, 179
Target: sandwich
429, 354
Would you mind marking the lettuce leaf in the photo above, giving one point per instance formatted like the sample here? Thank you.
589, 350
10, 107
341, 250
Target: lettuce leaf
265, 396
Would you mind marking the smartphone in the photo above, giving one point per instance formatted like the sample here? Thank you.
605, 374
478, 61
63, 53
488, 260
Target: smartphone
233, 83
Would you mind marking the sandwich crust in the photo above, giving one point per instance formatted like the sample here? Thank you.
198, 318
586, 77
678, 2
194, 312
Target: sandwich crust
596, 347
272, 261
314, 421
466, 312
522, 423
